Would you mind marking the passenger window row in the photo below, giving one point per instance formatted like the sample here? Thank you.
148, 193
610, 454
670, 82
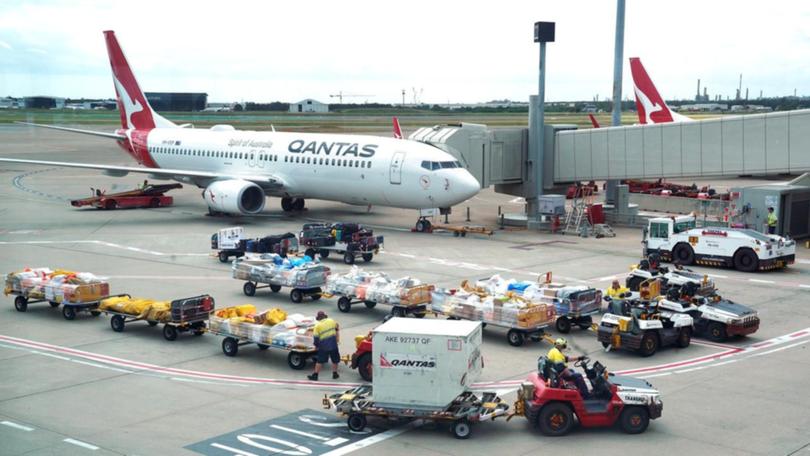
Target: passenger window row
216, 154
343, 162
433, 166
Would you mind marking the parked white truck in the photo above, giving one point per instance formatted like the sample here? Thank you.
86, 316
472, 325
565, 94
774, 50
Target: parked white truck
676, 239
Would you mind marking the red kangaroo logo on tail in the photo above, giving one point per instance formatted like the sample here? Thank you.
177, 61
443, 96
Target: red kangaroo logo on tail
651, 107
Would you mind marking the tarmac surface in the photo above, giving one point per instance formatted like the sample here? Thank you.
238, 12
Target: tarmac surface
77, 387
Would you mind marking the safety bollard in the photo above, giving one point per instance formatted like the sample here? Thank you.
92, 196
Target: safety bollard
468, 213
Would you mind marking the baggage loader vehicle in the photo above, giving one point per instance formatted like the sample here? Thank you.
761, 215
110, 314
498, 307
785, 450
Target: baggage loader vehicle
149, 196
555, 405
179, 315
676, 239
715, 317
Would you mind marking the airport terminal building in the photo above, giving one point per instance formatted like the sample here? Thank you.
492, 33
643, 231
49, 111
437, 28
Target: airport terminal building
177, 101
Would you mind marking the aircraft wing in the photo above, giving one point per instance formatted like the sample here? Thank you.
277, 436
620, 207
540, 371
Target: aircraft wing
198, 177
76, 130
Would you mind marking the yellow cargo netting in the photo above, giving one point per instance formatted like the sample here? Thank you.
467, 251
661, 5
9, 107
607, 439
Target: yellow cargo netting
140, 308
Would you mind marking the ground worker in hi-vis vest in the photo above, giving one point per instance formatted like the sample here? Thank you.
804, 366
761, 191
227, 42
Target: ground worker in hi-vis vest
327, 337
772, 220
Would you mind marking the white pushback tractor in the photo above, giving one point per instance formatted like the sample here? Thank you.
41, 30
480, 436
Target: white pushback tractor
677, 239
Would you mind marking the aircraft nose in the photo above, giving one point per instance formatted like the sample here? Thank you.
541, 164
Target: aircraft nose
467, 186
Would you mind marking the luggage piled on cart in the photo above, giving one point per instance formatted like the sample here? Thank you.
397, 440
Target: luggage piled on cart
303, 275
406, 296
231, 242
180, 315
492, 305
348, 239
76, 291
241, 325
573, 304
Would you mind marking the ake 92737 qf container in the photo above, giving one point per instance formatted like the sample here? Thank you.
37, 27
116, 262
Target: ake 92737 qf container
424, 363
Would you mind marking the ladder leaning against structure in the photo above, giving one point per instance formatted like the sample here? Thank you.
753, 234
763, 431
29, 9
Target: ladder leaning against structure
582, 200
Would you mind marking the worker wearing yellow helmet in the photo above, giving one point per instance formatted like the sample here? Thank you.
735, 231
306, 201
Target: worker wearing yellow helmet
560, 363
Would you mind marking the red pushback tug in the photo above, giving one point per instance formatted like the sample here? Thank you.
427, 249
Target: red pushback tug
148, 196
555, 405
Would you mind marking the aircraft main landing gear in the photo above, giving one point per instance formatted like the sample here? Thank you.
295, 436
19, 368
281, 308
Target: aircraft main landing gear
423, 225
292, 204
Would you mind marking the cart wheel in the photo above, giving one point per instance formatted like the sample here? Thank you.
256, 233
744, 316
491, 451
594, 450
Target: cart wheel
370, 304
223, 257
275, 288
585, 323
169, 332
397, 312
367, 257
95, 313
324, 254
152, 323
68, 312
249, 289
348, 258
21, 303
297, 360
230, 346
356, 422
263, 346
515, 337
462, 429
463, 234
310, 253
296, 295
53, 303
365, 367
117, 323
344, 304
563, 325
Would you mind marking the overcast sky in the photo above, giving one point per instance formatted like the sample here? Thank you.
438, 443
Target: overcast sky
464, 51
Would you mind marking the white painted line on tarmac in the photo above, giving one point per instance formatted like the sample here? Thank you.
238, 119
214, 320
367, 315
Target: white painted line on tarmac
663, 374
81, 444
717, 276
296, 431
779, 349
374, 439
51, 355
761, 281
206, 382
335, 442
683, 371
803, 261
149, 277
801, 285
103, 243
602, 279
14, 425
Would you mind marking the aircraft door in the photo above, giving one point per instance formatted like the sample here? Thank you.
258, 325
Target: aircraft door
396, 167
260, 159
252, 158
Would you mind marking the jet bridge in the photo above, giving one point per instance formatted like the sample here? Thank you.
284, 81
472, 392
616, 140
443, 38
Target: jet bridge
767, 143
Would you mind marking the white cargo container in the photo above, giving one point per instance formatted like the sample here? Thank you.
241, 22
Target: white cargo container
228, 238
424, 363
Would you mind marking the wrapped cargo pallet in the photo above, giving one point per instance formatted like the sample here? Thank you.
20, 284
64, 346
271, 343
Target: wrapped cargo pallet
292, 333
58, 286
286, 272
378, 287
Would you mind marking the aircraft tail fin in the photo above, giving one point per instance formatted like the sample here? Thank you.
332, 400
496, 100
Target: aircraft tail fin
651, 107
397, 129
132, 104
594, 122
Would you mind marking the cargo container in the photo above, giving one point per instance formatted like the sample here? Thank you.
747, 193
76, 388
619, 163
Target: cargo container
424, 363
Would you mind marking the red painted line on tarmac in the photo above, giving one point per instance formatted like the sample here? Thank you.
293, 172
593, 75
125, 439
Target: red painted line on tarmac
798, 334
707, 343
688, 362
168, 370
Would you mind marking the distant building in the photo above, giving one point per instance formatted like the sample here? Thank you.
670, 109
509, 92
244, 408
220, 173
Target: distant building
309, 105
223, 107
177, 101
10, 103
43, 102
703, 107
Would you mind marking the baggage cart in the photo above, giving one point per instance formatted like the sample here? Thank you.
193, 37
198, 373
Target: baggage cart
231, 242
521, 324
187, 314
300, 349
350, 240
303, 281
405, 296
69, 309
76, 292
357, 404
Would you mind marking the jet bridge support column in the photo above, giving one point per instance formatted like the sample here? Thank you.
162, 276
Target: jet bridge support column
543, 33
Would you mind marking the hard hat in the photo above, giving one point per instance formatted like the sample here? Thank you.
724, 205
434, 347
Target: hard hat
561, 342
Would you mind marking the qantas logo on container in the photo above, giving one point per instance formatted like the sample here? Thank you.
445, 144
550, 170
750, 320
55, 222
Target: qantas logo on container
390, 361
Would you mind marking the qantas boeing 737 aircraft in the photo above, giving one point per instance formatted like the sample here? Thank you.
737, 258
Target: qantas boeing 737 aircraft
238, 169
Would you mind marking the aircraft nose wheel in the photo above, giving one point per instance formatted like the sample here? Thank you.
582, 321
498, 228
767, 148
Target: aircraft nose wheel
423, 226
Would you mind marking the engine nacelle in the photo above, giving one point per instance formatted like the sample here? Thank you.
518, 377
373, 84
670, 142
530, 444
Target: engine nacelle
234, 196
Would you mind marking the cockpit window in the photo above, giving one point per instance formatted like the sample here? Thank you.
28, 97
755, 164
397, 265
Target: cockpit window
433, 166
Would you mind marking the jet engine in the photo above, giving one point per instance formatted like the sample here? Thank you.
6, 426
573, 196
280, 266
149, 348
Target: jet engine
234, 196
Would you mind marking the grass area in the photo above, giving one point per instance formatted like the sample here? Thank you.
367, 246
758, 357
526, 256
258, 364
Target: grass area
331, 122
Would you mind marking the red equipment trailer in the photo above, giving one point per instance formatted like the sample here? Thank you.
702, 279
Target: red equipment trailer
148, 196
